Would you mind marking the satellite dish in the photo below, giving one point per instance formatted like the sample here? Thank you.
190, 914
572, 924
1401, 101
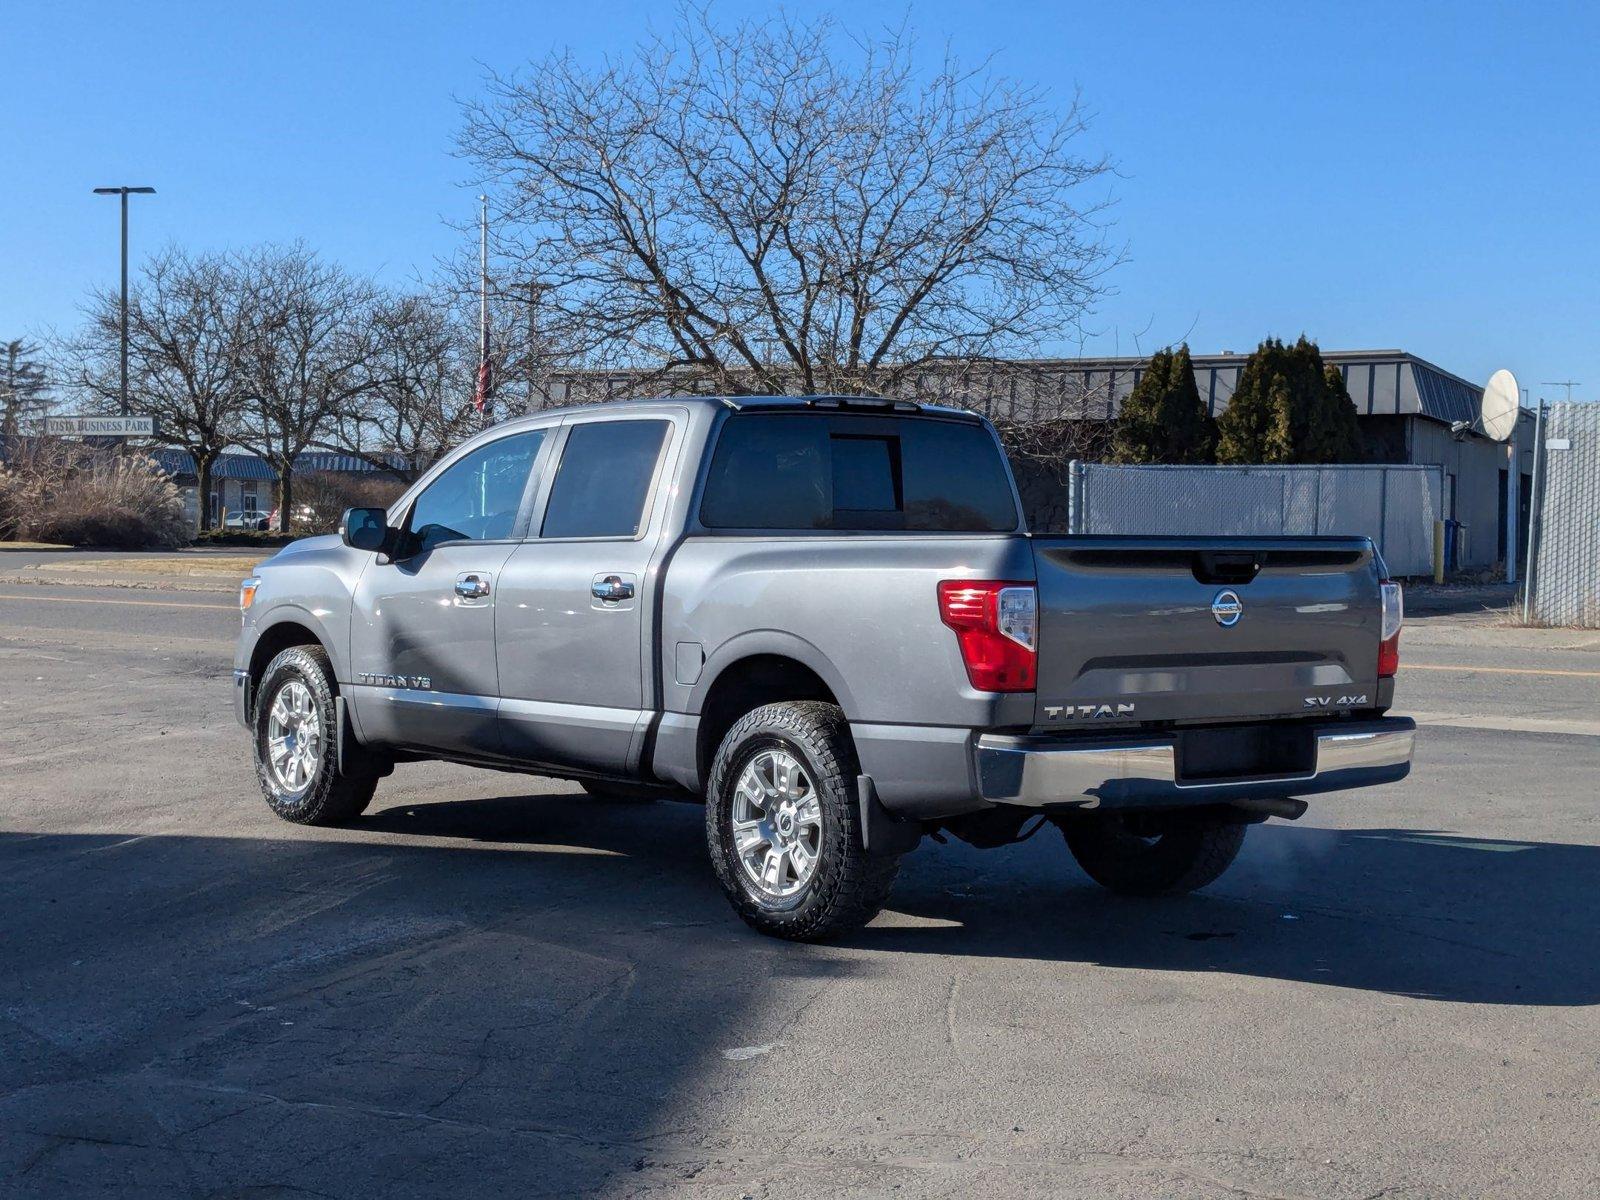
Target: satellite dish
1497, 411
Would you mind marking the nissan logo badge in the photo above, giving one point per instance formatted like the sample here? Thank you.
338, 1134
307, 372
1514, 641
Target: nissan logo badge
1227, 608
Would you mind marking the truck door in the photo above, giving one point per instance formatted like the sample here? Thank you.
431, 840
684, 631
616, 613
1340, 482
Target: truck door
422, 656
573, 614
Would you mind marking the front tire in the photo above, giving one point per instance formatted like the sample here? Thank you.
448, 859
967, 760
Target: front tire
784, 829
1153, 854
296, 734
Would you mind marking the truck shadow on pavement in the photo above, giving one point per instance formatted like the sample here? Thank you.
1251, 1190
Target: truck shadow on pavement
293, 1013
1410, 912
525, 995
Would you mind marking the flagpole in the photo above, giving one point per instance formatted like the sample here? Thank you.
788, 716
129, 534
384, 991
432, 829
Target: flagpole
483, 291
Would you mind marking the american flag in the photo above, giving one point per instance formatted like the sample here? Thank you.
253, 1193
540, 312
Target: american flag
480, 399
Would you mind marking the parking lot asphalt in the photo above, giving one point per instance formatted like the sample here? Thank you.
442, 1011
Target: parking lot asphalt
493, 985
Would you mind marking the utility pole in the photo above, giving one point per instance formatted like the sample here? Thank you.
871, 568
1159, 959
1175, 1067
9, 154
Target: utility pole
1534, 507
124, 192
1569, 384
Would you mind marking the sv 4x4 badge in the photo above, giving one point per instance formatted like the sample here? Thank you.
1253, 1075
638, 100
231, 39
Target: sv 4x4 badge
1335, 701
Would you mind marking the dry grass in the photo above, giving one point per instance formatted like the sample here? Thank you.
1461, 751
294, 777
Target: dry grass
189, 566
54, 491
1511, 618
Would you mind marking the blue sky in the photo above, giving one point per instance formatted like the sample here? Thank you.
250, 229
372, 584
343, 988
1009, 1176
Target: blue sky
1416, 175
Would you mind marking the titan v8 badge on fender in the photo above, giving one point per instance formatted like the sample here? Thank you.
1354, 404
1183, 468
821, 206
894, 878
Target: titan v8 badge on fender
417, 682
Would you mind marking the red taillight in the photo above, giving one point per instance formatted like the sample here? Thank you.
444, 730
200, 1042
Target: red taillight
1394, 615
1389, 657
997, 628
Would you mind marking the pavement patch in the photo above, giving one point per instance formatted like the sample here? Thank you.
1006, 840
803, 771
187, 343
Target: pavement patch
744, 1053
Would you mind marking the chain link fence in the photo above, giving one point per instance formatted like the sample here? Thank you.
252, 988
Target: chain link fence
1565, 584
1396, 506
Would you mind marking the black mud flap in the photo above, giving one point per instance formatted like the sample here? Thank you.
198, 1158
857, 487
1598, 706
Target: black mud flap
354, 759
880, 832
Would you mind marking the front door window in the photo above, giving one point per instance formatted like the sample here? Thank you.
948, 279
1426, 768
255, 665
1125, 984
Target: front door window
477, 497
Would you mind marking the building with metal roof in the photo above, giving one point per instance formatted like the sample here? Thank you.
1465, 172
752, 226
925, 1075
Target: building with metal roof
244, 482
1409, 410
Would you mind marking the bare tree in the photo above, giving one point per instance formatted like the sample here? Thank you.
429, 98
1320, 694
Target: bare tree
326, 494
535, 345
763, 208
529, 339
417, 399
307, 359
188, 324
24, 387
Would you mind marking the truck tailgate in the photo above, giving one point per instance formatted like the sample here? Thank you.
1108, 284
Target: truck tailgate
1140, 629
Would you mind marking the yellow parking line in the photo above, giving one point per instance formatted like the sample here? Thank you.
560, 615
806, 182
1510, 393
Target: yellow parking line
1499, 670
119, 603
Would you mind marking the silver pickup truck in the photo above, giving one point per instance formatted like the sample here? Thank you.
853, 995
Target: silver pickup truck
826, 617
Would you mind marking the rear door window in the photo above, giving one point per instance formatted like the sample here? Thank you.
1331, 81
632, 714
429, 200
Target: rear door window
829, 471
603, 482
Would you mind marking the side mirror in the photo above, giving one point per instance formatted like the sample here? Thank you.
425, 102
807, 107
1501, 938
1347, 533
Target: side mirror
366, 529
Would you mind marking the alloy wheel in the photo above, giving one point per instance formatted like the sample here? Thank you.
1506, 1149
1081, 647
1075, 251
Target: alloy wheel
294, 736
777, 824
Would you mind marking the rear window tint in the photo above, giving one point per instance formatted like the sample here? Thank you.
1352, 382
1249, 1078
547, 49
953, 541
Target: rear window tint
604, 479
829, 471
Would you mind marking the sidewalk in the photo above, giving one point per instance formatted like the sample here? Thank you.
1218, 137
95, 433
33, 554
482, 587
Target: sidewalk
1483, 615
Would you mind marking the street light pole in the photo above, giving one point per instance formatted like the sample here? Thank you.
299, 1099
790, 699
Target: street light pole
124, 192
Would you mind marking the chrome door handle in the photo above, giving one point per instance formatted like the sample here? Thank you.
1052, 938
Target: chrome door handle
472, 587
611, 589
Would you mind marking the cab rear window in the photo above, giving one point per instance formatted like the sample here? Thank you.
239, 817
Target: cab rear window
857, 473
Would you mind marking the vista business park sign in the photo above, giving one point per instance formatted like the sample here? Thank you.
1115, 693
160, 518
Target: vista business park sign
100, 426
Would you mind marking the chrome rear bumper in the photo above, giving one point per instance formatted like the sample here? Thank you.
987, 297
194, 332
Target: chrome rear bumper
1142, 772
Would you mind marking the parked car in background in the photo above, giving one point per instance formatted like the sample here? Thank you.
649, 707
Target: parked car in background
826, 617
247, 518
304, 516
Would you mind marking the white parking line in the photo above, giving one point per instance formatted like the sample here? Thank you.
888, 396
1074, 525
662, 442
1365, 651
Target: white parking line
1507, 724
1499, 670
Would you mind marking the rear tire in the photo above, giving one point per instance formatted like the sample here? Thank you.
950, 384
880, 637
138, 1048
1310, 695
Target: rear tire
784, 828
1150, 854
296, 735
